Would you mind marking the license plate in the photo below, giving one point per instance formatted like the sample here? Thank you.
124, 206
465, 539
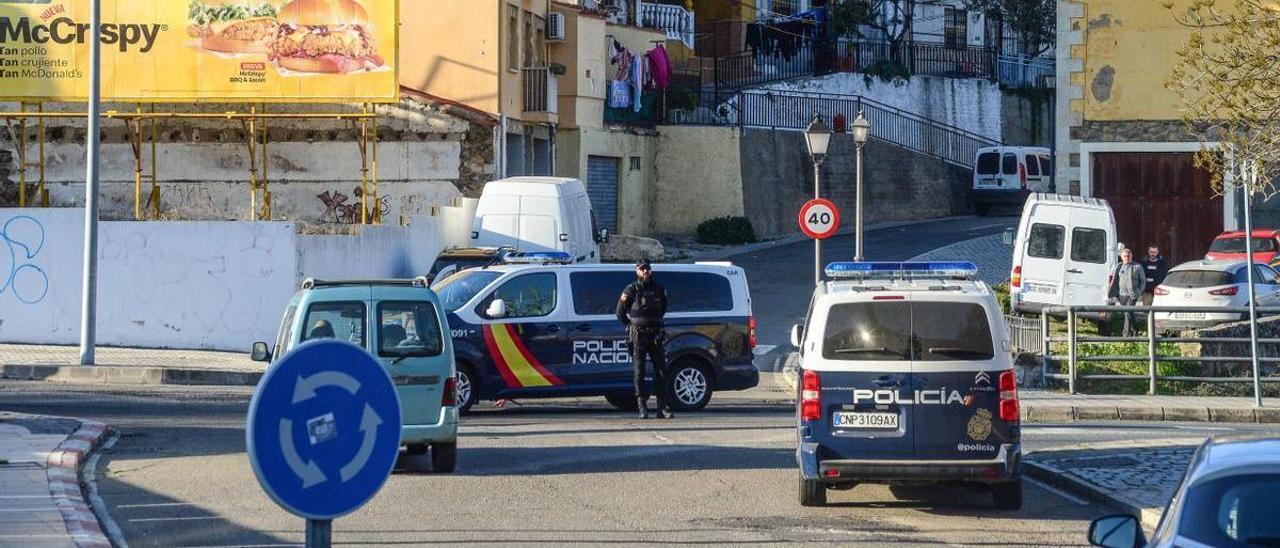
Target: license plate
866, 420
1188, 315
1042, 289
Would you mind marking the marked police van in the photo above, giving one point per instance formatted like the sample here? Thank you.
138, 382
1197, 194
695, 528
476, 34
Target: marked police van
906, 377
535, 327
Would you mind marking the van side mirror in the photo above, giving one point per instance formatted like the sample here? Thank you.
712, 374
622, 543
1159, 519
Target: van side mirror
1118, 531
797, 331
497, 309
260, 352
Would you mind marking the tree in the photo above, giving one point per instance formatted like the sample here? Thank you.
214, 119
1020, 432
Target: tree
1034, 22
1228, 79
890, 19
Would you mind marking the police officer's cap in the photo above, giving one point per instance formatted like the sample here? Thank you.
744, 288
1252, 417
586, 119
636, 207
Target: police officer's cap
643, 263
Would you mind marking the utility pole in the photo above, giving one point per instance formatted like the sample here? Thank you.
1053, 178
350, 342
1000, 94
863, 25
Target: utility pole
89, 302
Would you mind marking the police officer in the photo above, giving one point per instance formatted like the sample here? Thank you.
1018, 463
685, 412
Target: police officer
640, 309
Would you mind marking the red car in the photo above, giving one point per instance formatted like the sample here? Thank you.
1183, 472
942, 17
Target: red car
1230, 245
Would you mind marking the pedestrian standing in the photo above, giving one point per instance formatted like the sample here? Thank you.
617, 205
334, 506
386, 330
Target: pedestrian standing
1156, 268
641, 309
1127, 285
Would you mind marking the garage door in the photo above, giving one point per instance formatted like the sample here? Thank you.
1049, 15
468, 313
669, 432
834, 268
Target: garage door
1160, 198
602, 186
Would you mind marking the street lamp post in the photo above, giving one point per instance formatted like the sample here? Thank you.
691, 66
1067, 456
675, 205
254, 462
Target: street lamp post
89, 295
818, 138
861, 132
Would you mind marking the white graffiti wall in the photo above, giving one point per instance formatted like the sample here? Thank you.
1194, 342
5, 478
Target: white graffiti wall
194, 285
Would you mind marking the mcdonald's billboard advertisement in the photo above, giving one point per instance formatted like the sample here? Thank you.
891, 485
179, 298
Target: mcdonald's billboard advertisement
269, 51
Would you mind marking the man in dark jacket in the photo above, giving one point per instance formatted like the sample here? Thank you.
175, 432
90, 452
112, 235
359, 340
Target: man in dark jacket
641, 308
1156, 268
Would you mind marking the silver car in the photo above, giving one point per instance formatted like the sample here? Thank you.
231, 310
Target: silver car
1229, 497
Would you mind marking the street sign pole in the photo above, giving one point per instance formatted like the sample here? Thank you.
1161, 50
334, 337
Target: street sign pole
817, 242
1247, 190
89, 296
319, 533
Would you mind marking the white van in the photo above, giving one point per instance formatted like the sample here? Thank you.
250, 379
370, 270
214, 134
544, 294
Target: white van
1063, 254
1007, 175
538, 214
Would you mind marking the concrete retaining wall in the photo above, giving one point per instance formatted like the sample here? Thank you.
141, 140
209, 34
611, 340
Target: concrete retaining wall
700, 173
193, 285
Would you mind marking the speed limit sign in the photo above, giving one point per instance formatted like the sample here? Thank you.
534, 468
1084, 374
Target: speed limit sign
819, 219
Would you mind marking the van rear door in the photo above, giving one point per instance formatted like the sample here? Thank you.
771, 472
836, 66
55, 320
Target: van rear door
866, 381
540, 225
1043, 250
1091, 246
409, 342
986, 174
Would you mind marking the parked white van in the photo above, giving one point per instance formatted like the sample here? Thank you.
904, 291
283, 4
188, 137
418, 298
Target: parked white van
1007, 175
538, 214
1064, 253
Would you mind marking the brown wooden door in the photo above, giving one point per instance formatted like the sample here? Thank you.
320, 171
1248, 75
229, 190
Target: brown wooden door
1161, 199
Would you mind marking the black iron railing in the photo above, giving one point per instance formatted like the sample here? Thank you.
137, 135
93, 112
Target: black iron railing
918, 59
793, 111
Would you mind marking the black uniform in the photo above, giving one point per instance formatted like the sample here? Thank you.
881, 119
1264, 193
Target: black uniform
641, 308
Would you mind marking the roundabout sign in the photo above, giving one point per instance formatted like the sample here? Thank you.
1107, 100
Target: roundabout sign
323, 432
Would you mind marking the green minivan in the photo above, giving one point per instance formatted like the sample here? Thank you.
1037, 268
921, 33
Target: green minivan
400, 322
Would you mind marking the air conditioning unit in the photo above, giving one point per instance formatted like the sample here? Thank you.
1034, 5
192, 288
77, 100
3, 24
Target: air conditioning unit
555, 26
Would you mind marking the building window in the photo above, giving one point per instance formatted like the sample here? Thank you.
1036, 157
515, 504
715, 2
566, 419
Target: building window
635, 163
957, 28
513, 38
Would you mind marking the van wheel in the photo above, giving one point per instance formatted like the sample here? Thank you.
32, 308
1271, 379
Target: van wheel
812, 492
444, 457
688, 386
468, 388
1007, 496
625, 403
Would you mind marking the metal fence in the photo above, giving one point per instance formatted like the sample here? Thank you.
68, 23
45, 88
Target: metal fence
1152, 340
1025, 334
919, 59
749, 68
1020, 72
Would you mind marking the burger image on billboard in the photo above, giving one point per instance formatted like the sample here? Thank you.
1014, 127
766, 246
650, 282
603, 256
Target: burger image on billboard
325, 36
233, 26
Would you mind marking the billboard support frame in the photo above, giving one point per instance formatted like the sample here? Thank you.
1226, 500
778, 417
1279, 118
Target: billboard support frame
255, 121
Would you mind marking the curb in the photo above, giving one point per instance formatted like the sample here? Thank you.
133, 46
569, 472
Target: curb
1072, 413
129, 375
1149, 517
64, 484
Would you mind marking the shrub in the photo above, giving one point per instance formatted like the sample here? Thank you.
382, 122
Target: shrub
1002, 296
727, 231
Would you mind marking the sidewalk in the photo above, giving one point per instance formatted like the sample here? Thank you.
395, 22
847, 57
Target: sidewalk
1139, 478
129, 366
41, 503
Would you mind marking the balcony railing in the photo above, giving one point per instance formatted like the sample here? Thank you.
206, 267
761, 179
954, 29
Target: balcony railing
1019, 72
541, 93
675, 20
919, 58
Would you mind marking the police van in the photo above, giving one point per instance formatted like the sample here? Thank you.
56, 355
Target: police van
535, 327
905, 377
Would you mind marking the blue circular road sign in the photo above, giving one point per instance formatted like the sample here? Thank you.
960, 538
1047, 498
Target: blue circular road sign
324, 429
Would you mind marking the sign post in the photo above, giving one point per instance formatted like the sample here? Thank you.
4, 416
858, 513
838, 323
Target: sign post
323, 432
819, 219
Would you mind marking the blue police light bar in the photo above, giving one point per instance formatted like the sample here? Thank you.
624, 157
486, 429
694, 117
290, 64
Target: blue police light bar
955, 269
538, 257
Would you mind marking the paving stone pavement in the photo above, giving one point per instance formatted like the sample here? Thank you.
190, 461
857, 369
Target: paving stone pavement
1139, 478
994, 259
33, 354
41, 503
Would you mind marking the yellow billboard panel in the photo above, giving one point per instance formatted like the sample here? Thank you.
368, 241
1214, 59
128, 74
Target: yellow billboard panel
331, 51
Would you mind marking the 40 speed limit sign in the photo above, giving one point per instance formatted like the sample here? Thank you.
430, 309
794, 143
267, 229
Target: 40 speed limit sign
819, 219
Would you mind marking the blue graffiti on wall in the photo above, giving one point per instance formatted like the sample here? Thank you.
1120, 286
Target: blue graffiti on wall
23, 238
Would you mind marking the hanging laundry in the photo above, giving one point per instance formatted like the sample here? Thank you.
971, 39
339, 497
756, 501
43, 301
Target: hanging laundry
619, 94
660, 67
637, 82
623, 58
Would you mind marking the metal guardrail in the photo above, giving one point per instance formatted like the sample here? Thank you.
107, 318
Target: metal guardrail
1152, 338
1025, 334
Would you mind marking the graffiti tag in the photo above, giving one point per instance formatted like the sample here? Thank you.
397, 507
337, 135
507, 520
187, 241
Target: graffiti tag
23, 240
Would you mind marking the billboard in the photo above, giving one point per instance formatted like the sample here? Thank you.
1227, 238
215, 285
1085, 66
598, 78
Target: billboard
270, 51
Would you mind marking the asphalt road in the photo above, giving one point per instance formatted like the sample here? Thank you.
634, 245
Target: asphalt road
549, 474
781, 278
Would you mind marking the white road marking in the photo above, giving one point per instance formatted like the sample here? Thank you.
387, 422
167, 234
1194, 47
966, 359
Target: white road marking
201, 518
155, 505
109, 526
1057, 491
764, 349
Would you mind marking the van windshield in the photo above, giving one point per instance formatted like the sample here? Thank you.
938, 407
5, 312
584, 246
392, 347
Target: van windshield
461, 287
989, 163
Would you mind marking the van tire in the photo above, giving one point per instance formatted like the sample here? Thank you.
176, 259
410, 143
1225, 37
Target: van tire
623, 403
416, 449
467, 374
444, 457
688, 374
812, 492
1007, 496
